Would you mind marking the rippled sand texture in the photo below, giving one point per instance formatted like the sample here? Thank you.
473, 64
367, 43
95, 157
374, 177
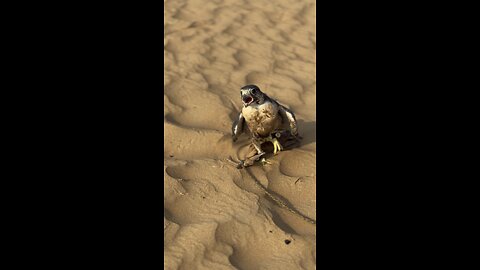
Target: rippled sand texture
216, 217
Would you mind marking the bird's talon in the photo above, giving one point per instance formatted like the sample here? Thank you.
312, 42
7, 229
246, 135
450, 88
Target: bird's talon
240, 165
277, 147
264, 162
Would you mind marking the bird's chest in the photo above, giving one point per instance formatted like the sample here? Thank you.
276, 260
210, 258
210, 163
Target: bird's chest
261, 119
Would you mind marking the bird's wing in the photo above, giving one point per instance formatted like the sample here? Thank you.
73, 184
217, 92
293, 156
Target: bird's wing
237, 127
290, 116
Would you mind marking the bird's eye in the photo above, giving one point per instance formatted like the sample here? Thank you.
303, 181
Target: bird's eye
254, 91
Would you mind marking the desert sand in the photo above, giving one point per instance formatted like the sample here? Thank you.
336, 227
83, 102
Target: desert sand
216, 216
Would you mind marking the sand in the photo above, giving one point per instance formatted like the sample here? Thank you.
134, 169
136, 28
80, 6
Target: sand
216, 216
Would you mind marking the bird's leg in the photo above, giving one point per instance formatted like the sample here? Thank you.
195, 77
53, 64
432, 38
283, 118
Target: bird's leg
264, 162
255, 153
277, 147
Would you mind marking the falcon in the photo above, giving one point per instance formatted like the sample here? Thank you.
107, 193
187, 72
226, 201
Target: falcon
266, 121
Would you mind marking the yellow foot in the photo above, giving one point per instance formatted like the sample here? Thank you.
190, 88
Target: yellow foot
264, 162
277, 147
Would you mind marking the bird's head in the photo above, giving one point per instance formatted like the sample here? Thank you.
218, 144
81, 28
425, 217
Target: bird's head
251, 94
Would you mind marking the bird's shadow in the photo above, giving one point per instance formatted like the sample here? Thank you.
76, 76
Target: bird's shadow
308, 131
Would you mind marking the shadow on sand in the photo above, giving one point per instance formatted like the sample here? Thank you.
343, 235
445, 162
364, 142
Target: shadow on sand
308, 130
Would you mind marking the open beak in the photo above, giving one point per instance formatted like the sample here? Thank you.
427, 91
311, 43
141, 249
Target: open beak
247, 99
